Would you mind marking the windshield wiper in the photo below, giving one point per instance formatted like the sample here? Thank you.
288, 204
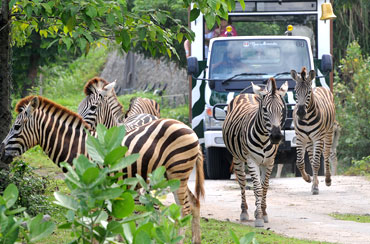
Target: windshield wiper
241, 74
282, 73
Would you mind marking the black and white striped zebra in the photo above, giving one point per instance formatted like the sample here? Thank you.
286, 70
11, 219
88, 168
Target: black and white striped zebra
314, 117
102, 106
93, 110
252, 132
141, 105
62, 135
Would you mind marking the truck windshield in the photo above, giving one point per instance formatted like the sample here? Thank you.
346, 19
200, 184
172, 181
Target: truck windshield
264, 58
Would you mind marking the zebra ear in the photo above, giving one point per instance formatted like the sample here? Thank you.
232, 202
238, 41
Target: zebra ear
34, 103
258, 90
293, 73
108, 89
311, 75
283, 89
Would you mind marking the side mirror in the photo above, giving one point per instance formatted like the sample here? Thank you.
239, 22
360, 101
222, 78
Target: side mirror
326, 63
193, 68
219, 112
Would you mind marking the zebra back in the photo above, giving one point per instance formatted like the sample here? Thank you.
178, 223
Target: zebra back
139, 105
137, 120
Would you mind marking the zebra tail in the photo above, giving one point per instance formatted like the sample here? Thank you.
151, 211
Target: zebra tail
199, 182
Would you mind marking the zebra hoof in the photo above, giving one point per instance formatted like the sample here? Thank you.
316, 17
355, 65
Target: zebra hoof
315, 190
308, 178
328, 181
265, 218
258, 223
244, 217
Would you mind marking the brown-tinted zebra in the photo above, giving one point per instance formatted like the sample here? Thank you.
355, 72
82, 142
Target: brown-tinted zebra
314, 116
140, 105
62, 134
252, 132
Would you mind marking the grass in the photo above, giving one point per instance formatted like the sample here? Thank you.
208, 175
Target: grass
216, 232
352, 217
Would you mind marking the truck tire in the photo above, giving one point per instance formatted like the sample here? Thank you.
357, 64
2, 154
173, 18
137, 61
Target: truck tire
218, 162
308, 167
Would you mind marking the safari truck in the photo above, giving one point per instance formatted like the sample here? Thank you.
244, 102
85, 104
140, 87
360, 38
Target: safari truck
264, 48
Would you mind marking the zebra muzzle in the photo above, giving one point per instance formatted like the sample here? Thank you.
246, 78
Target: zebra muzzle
276, 136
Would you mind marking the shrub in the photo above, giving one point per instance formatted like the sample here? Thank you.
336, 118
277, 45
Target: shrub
101, 205
31, 188
352, 93
360, 167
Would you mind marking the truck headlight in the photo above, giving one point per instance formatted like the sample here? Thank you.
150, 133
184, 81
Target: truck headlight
210, 122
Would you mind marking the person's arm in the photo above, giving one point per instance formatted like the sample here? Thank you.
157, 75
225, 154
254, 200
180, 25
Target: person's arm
187, 48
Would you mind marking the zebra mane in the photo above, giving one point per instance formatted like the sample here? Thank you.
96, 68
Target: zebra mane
303, 73
132, 102
43, 102
94, 85
273, 86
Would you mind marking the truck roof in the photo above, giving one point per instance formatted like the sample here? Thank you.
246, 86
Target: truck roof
260, 38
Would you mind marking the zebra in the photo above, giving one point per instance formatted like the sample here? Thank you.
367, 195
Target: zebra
252, 132
102, 106
62, 133
314, 117
140, 105
92, 110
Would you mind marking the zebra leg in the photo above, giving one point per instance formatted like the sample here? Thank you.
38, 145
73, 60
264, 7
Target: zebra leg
318, 146
182, 199
327, 153
239, 168
265, 179
254, 171
301, 148
195, 222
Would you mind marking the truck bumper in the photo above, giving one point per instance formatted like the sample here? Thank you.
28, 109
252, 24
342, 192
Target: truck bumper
214, 139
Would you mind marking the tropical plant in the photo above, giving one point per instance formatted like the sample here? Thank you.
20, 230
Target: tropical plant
101, 204
32, 229
352, 91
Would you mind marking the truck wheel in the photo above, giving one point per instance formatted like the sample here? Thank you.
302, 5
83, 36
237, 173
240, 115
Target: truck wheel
218, 162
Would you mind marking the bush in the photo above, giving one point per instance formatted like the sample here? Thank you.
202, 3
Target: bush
31, 188
360, 167
352, 93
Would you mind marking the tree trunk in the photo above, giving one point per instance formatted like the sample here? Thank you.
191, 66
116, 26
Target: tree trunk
129, 74
5, 115
33, 65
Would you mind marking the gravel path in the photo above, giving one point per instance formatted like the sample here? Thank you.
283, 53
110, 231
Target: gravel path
293, 211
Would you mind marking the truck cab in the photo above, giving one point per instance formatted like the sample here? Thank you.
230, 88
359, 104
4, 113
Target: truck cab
226, 67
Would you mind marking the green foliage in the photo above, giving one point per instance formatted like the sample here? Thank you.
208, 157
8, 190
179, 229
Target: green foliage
352, 217
359, 167
352, 92
33, 229
98, 195
31, 188
246, 239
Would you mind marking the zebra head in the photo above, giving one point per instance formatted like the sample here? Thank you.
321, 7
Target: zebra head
97, 107
22, 134
272, 108
303, 90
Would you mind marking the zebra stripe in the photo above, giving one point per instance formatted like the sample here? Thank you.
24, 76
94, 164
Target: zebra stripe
314, 117
140, 105
252, 132
62, 135
92, 108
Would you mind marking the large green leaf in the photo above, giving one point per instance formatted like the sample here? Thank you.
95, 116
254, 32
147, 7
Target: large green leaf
90, 175
111, 193
10, 195
40, 229
81, 164
114, 136
66, 201
194, 13
114, 155
115, 227
124, 162
124, 207
96, 152
10, 233
101, 130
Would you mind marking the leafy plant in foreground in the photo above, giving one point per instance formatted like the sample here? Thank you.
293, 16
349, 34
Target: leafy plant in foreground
101, 204
32, 229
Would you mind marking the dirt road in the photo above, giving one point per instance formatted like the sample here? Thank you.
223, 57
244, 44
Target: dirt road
293, 211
